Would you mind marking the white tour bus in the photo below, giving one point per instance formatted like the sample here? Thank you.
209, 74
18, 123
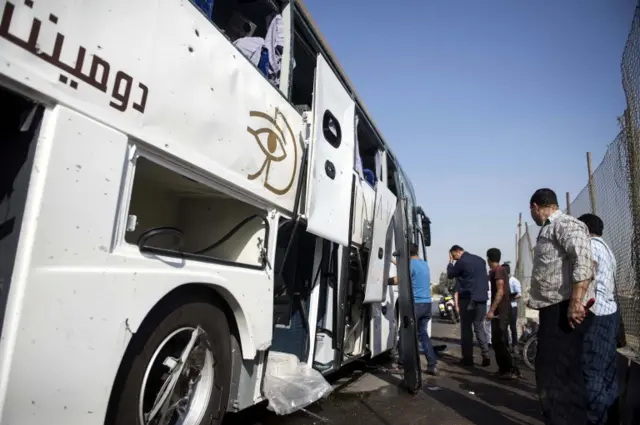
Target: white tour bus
185, 188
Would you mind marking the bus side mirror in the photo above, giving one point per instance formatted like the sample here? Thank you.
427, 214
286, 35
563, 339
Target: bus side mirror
426, 225
426, 230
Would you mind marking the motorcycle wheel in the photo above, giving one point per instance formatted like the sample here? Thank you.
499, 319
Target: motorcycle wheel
529, 352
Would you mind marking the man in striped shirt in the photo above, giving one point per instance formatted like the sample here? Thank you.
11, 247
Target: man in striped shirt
560, 278
600, 340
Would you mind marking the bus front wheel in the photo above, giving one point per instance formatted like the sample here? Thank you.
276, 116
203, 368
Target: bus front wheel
180, 371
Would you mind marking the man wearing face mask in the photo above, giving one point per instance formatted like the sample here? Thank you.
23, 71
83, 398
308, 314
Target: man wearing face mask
560, 280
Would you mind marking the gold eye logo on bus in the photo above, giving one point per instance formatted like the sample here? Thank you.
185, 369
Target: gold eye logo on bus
275, 141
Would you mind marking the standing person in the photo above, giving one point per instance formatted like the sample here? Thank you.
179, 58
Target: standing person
421, 282
470, 272
487, 328
561, 274
600, 339
515, 293
499, 315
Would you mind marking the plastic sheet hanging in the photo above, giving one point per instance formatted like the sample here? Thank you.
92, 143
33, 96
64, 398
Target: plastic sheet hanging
290, 385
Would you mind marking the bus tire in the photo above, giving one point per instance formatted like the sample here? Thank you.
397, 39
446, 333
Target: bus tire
160, 338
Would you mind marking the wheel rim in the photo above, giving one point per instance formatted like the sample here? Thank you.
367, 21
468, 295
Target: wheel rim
530, 351
179, 380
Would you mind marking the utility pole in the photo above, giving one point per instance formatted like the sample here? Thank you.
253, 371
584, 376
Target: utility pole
592, 186
528, 235
519, 226
518, 237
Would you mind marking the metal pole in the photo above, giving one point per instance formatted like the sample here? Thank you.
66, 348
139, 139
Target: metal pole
519, 226
592, 187
518, 236
568, 203
528, 235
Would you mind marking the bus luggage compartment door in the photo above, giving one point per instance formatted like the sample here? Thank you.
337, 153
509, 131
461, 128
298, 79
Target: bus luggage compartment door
331, 158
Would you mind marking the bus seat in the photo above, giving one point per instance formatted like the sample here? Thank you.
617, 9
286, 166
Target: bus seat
369, 176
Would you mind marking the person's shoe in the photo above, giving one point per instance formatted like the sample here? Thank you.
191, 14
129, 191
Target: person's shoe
516, 374
395, 368
432, 370
486, 362
506, 376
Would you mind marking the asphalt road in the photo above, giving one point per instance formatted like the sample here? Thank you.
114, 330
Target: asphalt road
369, 394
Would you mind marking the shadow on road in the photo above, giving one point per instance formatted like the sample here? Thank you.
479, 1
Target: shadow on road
448, 340
523, 403
369, 394
527, 383
461, 405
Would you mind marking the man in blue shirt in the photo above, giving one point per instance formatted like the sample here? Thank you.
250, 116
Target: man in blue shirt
421, 282
472, 288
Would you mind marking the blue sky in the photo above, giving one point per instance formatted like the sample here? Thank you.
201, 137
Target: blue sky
485, 101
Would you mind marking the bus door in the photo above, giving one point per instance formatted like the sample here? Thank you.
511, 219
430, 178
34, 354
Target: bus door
331, 158
408, 336
380, 255
382, 335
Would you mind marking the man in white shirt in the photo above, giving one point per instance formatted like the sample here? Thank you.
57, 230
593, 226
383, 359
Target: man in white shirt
515, 293
600, 341
488, 323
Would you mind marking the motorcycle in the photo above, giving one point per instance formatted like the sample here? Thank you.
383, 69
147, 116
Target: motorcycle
448, 309
528, 343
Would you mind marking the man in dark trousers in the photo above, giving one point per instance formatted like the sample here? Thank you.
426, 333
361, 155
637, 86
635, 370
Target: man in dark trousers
561, 285
421, 283
499, 315
471, 296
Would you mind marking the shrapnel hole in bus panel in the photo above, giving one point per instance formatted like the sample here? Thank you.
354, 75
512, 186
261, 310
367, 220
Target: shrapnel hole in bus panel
202, 222
255, 27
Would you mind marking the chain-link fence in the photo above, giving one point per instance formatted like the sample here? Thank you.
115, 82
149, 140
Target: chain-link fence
581, 204
524, 264
629, 212
612, 203
614, 195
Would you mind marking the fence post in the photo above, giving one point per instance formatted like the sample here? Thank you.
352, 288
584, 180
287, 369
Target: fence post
568, 204
518, 237
592, 187
528, 235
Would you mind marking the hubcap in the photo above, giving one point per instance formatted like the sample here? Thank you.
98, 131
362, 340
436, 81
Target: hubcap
179, 380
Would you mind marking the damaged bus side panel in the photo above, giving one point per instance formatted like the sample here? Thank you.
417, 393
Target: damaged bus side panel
189, 206
19, 129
